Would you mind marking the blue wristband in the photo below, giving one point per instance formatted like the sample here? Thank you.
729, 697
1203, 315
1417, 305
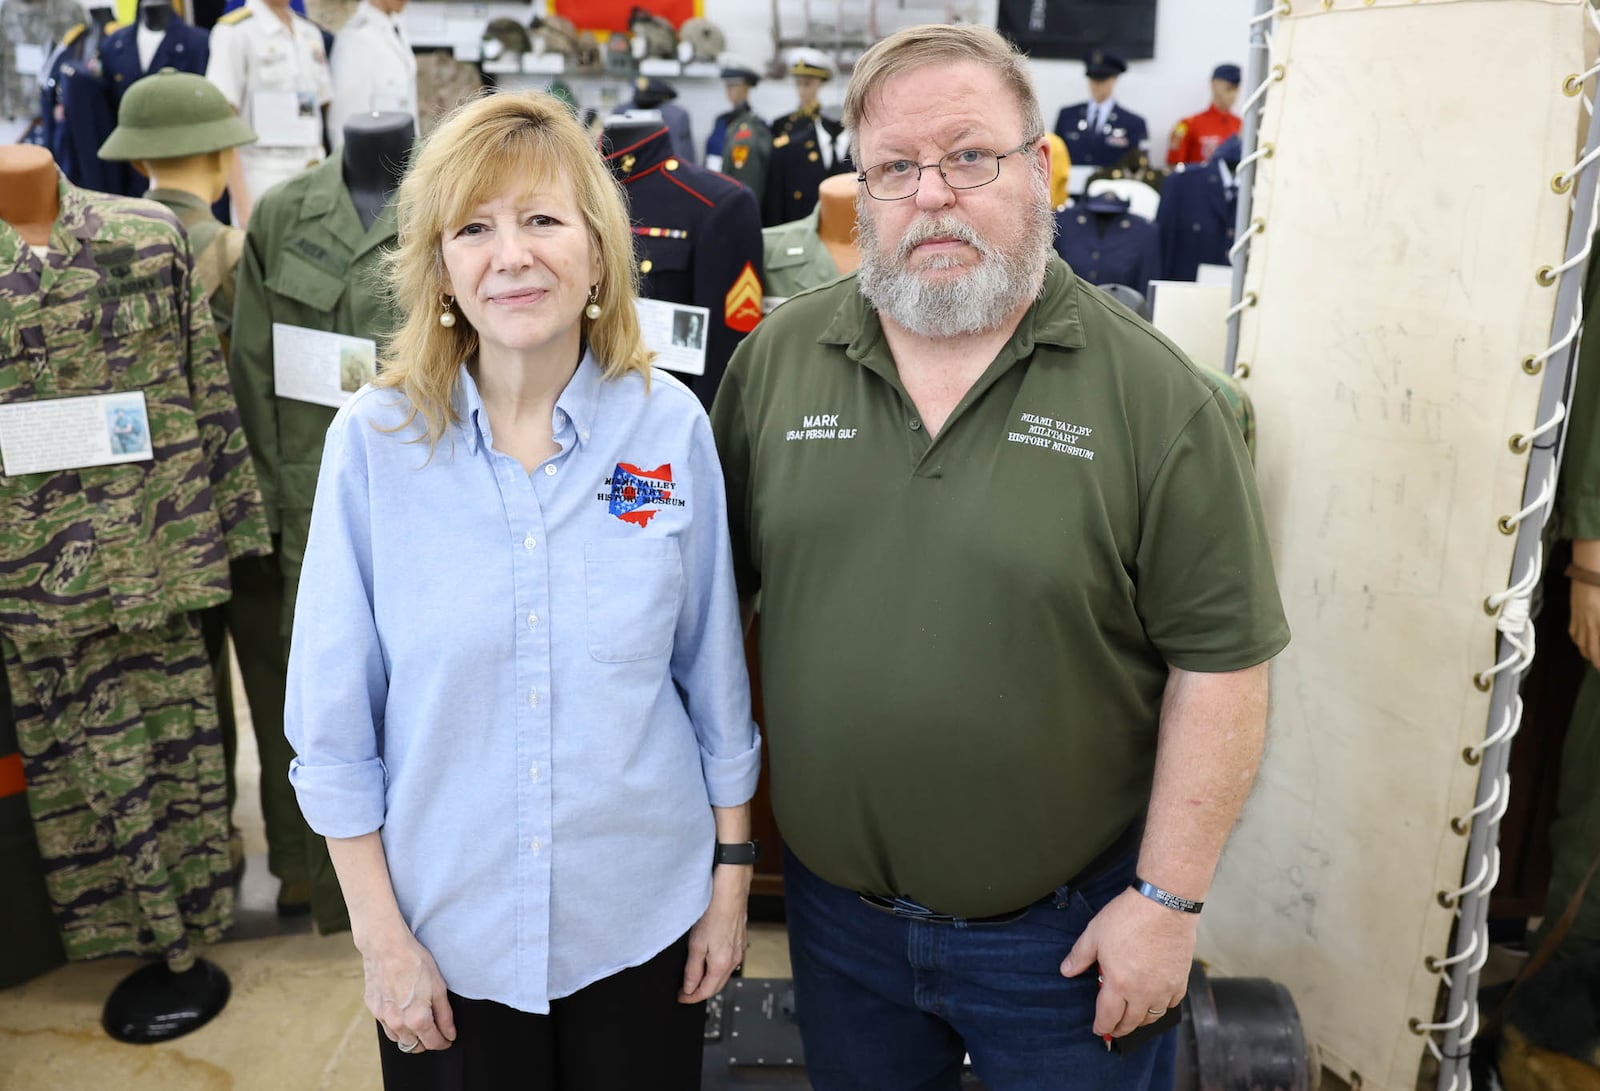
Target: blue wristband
1166, 897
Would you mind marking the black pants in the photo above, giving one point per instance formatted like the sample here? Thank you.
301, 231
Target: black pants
622, 1033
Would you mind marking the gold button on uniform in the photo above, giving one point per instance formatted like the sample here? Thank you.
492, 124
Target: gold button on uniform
813, 157
672, 164
646, 265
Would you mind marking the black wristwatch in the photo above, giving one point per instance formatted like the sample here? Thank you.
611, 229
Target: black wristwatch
739, 852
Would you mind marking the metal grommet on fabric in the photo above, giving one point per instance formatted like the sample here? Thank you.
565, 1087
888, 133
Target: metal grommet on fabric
1241, 371
1546, 276
1448, 901
1520, 443
1470, 756
1562, 183
1285, 9
1459, 827
1532, 365
1482, 682
1431, 964
1489, 606
1506, 525
1414, 1025
1572, 86
1278, 73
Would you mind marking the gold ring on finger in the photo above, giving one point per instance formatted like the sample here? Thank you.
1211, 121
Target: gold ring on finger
1157, 1011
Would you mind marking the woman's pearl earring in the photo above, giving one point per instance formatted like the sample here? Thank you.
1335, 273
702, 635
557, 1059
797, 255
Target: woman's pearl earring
592, 311
448, 317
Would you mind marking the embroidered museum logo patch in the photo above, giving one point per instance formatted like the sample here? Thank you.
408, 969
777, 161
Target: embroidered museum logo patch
636, 495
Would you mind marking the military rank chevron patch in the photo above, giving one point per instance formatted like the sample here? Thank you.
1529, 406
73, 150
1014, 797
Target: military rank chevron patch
742, 305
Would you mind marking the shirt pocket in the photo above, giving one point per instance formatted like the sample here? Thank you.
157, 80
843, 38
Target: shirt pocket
634, 591
665, 267
298, 280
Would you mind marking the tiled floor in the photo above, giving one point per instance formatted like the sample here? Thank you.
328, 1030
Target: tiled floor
295, 1021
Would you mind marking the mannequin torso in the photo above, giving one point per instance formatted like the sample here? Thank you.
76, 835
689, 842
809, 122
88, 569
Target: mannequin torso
376, 149
836, 220
29, 198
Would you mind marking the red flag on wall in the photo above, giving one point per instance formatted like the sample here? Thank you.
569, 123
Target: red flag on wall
613, 14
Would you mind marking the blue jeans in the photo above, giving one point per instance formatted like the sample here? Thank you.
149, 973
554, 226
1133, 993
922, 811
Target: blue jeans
886, 1003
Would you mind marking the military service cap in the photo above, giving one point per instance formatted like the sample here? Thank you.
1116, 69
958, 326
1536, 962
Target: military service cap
650, 92
810, 62
1228, 73
502, 36
1101, 65
171, 115
736, 71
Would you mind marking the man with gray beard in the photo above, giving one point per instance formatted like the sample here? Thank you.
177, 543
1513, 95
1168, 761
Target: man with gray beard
1016, 608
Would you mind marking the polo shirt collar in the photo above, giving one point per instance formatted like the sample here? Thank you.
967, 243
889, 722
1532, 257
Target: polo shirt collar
1054, 319
578, 403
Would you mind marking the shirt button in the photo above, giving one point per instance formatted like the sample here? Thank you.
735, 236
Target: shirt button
914, 423
535, 844
533, 698
533, 619
534, 771
528, 543
550, 471
584, 435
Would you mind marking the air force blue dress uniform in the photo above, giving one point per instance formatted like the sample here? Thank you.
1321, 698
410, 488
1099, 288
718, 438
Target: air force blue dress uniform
1196, 216
76, 115
1104, 144
184, 47
1104, 243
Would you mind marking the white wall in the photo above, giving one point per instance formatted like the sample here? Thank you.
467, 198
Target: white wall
1192, 37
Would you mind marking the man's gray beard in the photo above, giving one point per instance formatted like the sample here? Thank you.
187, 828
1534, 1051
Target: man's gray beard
975, 302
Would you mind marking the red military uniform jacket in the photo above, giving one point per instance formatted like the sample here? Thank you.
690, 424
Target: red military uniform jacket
1195, 138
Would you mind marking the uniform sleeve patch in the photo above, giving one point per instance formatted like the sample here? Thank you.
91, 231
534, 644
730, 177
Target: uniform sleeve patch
742, 305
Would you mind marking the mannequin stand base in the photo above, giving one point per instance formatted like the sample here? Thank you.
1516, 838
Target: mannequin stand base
153, 1004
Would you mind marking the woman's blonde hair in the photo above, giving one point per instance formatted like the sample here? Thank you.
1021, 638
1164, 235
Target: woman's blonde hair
488, 146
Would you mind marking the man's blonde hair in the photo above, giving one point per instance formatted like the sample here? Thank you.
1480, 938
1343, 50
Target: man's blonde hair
491, 145
937, 43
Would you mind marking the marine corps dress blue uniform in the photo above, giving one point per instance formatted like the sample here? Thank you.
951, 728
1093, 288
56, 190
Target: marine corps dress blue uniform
1195, 219
697, 237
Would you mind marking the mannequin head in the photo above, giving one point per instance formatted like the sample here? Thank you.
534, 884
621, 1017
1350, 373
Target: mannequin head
1102, 69
178, 130
204, 175
389, 7
29, 194
810, 69
737, 80
1225, 87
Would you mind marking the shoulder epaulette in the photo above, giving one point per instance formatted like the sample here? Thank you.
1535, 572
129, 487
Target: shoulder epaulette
238, 15
74, 34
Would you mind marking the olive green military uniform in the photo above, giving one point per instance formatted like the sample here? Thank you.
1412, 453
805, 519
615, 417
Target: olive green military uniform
307, 262
1086, 517
1575, 833
795, 257
748, 151
103, 573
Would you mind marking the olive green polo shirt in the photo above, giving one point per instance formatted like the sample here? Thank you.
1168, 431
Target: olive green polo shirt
964, 641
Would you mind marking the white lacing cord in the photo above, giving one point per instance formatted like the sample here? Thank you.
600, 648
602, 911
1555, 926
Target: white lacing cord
1508, 523
1462, 824
1425, 1028
1257, 226
1451, 898
1274, 76
1263, 152
1508, 731
1267, 16
1523, 440
1249, 300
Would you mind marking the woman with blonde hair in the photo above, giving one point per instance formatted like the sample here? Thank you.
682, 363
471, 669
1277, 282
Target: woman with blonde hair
517, 690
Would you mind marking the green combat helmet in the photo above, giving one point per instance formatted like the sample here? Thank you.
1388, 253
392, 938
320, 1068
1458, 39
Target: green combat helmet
173, 115
505, 36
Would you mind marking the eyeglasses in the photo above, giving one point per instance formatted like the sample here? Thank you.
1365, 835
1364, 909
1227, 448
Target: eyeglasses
968, 168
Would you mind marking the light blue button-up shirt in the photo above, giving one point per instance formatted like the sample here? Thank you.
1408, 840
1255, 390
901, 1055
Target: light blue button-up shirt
533, 684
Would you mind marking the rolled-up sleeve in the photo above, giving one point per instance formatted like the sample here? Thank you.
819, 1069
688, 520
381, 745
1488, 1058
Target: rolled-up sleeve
708, 661
337, 685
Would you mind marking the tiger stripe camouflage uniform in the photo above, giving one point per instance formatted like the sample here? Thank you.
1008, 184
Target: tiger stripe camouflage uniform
103, 571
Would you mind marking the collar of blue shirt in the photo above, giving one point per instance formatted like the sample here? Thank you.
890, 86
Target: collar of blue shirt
575, 408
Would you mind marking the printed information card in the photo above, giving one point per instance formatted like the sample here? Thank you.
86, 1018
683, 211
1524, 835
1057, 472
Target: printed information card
677, 332
318, 367
74, 433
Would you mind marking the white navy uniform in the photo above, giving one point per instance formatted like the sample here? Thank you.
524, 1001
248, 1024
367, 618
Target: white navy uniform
277, 77
373, 70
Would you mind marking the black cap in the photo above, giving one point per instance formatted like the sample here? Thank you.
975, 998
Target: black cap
1102, 65
737, 72
1228, 73
650, 92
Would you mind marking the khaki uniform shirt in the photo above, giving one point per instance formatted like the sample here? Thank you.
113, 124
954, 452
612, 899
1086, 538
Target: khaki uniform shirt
796, 258
307, 262
965, 639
